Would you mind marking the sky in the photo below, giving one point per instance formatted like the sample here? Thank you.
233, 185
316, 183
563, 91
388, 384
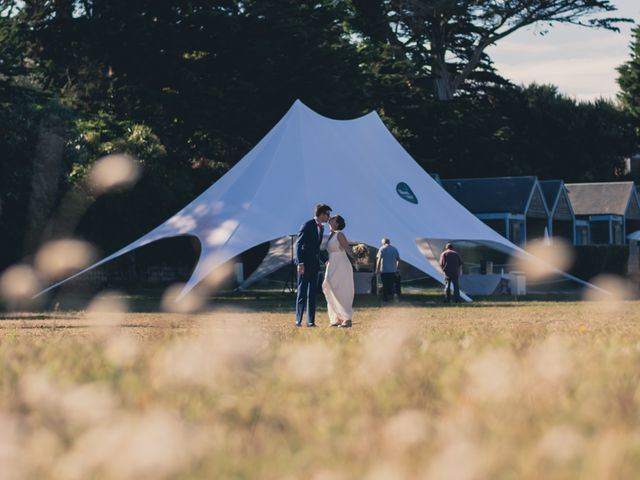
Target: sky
580, 61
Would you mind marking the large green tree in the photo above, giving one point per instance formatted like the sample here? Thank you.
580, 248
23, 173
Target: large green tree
188, 86
447, 39
629, 77
192, 70
206, 79
556, 137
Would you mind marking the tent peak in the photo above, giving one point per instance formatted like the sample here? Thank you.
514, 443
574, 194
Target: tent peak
300, 105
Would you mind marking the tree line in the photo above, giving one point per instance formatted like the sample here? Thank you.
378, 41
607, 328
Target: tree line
188, 87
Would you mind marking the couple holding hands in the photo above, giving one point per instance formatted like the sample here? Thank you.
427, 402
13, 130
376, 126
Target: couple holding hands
338, 287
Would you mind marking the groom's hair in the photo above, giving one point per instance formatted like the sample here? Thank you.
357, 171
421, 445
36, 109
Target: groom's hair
340, 223
322, 208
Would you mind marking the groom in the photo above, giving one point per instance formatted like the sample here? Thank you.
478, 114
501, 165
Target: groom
308, 261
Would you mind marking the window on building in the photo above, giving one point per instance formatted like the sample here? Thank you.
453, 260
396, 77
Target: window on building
582, 235
617, 233
600, 232
517, 233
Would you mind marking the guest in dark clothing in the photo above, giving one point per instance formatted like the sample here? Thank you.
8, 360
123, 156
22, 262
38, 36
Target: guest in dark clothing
387, 263
451, 264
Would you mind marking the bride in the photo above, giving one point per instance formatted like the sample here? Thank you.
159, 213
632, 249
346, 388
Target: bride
338, 279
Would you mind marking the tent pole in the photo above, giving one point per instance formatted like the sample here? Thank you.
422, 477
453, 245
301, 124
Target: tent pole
290, 284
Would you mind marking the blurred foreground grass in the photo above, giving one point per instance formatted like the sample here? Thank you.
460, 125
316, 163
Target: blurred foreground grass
490, 391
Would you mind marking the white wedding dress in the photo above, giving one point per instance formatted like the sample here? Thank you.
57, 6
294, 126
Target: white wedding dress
338, 283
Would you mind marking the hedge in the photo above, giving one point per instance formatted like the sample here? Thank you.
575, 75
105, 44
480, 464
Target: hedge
592, 260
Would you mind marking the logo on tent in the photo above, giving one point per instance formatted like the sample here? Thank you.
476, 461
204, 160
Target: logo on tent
405, 192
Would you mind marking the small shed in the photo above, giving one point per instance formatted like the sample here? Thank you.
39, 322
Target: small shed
611, 208
562, 219
513, 206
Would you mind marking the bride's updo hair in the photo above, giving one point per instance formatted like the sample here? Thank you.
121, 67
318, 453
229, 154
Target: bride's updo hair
340, 223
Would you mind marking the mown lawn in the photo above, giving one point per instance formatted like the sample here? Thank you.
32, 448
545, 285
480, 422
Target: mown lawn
494, 390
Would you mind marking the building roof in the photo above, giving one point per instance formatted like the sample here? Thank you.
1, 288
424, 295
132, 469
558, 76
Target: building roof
492, 195
551, 189
557, 200
603, 198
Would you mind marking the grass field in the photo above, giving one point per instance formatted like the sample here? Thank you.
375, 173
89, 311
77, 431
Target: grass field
492, 390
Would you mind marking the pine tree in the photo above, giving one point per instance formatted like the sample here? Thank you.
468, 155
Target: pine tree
629, 79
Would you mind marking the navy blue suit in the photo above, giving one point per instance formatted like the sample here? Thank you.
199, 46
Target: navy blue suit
308, 252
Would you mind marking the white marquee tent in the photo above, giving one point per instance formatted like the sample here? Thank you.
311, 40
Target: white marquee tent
356, 166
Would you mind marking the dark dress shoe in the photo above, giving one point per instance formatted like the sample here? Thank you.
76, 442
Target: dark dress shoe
298, 324
311, 325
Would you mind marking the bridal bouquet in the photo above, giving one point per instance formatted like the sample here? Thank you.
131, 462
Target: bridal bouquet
360, 251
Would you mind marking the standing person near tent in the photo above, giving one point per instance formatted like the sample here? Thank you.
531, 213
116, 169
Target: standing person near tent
387, 263
308, 261
338, 285
451, 264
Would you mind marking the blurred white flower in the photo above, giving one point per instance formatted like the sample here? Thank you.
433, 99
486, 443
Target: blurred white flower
79, 406
546, 260
329, 475
561, 444
191, 302
41, 449
459, 460
153, 445
122, 349
405, 429
113, 171
209, 355
12, 455
611, 292
86, 405
107, 311
59, 258
385, 471
19, 283
382, 351
550, 360
218, 276
492, 375
309, 362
